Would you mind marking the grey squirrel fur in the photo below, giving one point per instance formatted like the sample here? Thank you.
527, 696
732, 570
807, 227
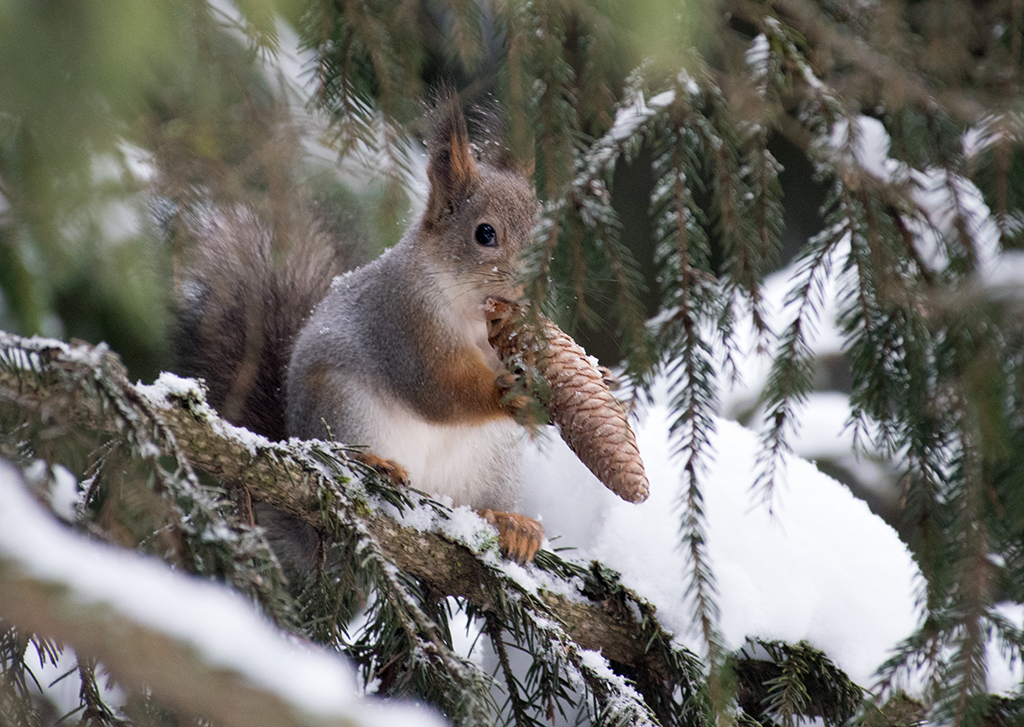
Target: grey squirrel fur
392, 355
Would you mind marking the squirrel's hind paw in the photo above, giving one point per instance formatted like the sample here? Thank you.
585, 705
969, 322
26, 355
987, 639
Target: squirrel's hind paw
519, 536
385, 467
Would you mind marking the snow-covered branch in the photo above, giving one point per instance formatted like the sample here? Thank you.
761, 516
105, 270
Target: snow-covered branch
86, 387
200, 648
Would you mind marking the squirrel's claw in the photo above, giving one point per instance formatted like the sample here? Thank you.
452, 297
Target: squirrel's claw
385, 467
519, 536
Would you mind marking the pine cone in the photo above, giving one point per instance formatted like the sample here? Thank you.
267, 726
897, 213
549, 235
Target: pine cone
590, 419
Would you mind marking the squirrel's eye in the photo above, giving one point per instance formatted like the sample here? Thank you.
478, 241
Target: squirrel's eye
486, 236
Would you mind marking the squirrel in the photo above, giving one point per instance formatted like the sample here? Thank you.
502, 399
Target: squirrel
392, 355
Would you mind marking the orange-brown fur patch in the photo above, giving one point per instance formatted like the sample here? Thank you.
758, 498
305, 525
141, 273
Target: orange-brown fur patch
467, 393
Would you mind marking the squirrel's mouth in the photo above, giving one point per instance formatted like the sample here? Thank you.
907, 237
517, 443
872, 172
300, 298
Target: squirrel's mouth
507, 297
494, 301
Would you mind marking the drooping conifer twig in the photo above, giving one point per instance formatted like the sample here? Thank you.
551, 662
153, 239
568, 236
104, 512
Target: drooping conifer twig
589, 417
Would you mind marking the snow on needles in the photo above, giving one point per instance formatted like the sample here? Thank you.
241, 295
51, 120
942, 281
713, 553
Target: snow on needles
222, 626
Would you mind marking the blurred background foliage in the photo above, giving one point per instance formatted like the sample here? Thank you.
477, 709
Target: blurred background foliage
118, 117
104, 103
110, 112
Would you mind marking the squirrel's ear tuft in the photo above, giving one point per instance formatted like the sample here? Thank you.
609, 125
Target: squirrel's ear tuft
452, 170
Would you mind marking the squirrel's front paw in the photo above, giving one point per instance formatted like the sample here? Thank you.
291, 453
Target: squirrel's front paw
524, 408
519, 536
385, 467
517, 404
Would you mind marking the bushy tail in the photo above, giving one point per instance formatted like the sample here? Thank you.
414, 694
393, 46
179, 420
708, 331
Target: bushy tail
243, 295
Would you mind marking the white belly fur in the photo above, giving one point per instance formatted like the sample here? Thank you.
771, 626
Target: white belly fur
478, 466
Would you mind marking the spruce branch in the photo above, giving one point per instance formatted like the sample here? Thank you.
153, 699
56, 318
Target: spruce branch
194, 514
790, 377
95, 709
766, 192
812, 24
581, 225
793, 680
315, 482
18, 681
58, 382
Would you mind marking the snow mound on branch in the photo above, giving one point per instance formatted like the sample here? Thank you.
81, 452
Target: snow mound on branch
816, 565
225, 630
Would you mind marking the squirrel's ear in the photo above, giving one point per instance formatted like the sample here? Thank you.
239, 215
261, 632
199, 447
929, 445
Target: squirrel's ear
452, 170
509, 162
